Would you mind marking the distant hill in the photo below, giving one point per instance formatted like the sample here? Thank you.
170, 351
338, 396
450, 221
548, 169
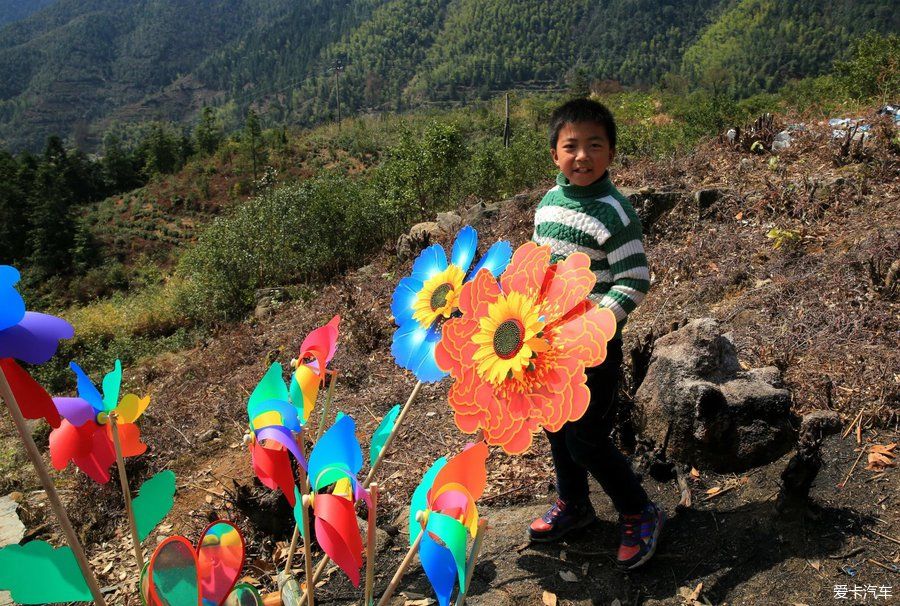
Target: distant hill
78, 65
16, 10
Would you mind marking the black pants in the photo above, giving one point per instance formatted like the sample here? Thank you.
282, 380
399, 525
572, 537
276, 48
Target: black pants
586, 446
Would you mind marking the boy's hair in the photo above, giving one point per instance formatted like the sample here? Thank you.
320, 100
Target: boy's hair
582, 110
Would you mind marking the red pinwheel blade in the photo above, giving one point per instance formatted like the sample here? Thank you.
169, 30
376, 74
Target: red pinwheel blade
467, 468
33, 400
220, 559
338, 533
68, 442
273, 468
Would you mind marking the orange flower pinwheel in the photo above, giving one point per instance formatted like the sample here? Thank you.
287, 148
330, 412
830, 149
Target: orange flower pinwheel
519, 351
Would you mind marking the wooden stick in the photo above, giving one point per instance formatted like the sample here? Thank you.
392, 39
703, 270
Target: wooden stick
877, 563
296, 536
368, 597
398, 576
387, 443
884, 536
328, 397
123, 480
305, 502
320, 569
473, 559
862, 451
852, 423
57, 506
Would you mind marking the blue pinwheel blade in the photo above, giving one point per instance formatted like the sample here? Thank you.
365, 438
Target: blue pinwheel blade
424, 365
494, 260
404, 298
430, 262
86, 389
337, 446
12, 306
287, 412
407, 341
464, 248
437, 561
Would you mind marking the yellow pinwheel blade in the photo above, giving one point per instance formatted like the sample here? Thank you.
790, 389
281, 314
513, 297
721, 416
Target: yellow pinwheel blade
131, 408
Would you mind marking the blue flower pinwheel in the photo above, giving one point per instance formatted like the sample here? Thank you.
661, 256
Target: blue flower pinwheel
428, 296
336, 460
446, 499
30, 337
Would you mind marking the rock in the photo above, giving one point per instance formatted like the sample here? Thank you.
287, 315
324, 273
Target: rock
208, 435
11, 528
782, 141
800, 473
449, 222
477, 213
709, 412
420, 236
650, 204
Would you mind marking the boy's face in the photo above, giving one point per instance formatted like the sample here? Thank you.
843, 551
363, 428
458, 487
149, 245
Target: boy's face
582, 152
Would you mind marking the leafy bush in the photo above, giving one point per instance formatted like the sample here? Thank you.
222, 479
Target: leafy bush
873, 71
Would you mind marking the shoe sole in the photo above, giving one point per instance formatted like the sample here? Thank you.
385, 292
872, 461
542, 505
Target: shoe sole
553, 539
659, 524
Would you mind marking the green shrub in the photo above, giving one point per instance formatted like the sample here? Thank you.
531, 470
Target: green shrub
873, 71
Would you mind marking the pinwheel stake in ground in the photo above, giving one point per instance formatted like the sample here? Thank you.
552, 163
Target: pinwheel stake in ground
519, 350
442, 512
34, 338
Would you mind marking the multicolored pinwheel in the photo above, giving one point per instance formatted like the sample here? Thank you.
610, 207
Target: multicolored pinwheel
429, 295
180, 575
446, 497
336, 460
519, 351
276, 412
32, 338
85, 435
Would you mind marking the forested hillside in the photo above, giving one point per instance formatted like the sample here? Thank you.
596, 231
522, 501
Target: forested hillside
78, 66
16, 10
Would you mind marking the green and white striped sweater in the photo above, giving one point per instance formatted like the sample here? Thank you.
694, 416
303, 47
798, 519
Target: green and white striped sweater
599, 221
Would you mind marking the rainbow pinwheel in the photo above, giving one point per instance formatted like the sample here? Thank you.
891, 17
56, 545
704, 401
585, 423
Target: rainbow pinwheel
85, 435
273, 422
181, 575
316, 351
446, 495
32, 338
429, 295
519, 351
336, 460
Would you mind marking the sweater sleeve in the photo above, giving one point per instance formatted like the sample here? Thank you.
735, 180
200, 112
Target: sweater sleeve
630, 274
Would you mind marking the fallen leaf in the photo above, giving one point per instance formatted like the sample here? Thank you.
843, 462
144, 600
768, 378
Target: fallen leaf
568, 576
584, 568
816, 564
739, 216
422, 602
616, 602
714, 490
549, 599
695, 473
562, 555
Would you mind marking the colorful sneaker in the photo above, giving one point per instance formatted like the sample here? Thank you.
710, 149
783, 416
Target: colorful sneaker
560, 520
640, 534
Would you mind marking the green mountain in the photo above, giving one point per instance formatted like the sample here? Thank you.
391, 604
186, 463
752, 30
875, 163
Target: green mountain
16, 10
79, 65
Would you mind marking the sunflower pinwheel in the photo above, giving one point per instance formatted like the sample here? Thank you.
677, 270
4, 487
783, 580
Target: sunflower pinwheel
85, 435
32, 338
446, 496
430, 295
519, 351
336, 460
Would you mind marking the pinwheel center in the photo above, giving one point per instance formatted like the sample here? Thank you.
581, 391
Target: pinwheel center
439, 296
508, 339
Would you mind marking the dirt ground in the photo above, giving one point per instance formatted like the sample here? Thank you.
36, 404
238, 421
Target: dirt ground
822, 306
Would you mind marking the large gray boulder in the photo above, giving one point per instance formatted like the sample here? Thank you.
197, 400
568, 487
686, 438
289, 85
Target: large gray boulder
709, 412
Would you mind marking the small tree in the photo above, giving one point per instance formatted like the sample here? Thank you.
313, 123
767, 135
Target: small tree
252, 140
873, 71
208, 132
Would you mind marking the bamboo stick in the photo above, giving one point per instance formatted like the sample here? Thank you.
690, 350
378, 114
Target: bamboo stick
398, 576
368, 596
305, 502
126, 491
55, 503
473, 559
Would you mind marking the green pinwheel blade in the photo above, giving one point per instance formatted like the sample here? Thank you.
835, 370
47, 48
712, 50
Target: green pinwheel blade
112, 383
154, 501
244, 594
381, 434
270, 387
36, 573
420, 498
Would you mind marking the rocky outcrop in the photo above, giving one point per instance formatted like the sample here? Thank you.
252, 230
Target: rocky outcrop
708, 412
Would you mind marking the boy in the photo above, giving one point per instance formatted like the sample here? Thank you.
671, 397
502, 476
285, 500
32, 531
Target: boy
585, 212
